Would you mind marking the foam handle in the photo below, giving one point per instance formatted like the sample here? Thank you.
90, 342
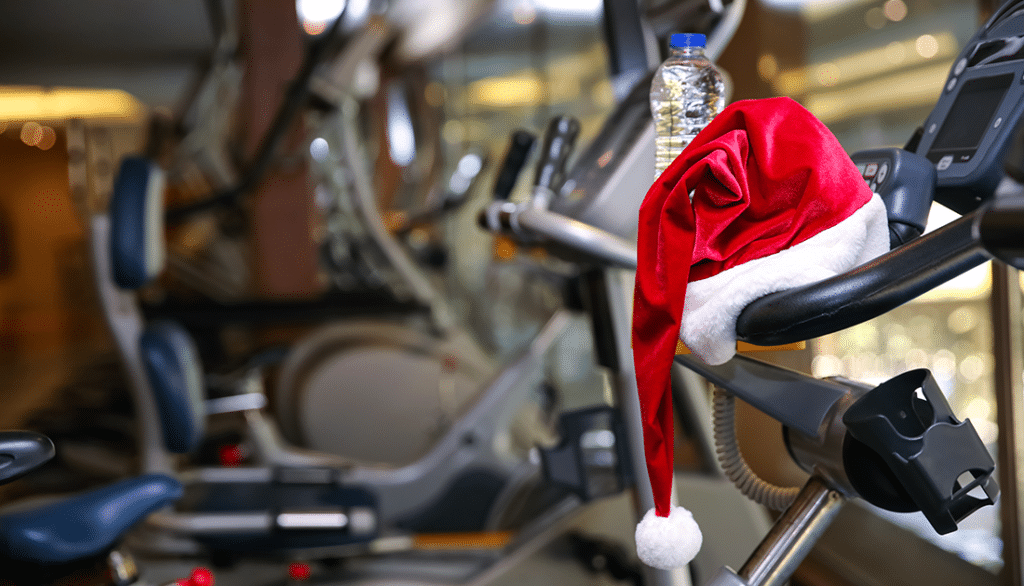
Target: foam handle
559, 141
22, 452
515, 160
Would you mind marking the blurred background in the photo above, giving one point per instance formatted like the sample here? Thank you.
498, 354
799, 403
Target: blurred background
81, 78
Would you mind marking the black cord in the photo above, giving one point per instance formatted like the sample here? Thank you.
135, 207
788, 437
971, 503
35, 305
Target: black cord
295, 100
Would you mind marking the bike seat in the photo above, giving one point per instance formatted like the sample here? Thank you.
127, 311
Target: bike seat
136, 224
22, 452
83, 525
175, 373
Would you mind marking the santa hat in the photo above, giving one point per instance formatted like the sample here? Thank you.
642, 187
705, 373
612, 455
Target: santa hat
763, 199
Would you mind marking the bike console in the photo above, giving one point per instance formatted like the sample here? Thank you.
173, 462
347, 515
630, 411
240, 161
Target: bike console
970, 129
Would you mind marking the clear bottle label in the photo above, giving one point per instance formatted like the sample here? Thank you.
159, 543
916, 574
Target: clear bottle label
686, 94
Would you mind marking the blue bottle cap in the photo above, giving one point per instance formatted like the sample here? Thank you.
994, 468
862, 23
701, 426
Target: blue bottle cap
687, 40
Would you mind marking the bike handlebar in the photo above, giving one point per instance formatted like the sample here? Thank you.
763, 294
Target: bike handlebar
874, 288
828, 306
579, 238
864, 292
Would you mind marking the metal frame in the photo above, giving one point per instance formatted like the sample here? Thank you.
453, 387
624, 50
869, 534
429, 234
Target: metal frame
871, 560
121, 311
1008, 349
398, 490
793, 534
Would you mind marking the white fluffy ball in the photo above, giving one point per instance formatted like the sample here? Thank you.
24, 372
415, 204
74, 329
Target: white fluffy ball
669, 542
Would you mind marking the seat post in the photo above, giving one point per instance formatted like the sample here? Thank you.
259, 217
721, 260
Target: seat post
123, 569
124, 319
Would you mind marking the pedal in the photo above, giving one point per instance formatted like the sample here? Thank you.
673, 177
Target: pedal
592, 459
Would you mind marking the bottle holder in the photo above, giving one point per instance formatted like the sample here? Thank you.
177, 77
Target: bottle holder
931, 455
592, 459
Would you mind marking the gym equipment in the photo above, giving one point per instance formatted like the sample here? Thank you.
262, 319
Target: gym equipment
916, 266
897, 445
906, 183
21, 452
445, 366
171, 389
401, 489
244, 507
970, 129
539, 218
42, 541
969, 178
313, 504
289, 505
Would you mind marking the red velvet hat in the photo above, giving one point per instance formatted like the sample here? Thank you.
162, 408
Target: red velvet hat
763, 199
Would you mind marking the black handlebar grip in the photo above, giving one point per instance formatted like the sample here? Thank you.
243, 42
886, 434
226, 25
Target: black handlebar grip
1013, 164
515, 159
21, 452
998, 226
559, 141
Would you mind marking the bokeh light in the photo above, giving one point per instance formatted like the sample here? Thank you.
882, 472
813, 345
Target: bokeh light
927, 46
767, 66
316, 15
895, 10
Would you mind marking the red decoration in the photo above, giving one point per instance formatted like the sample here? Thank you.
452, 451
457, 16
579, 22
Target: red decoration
200, 577
299, 572
765, 175
231, 456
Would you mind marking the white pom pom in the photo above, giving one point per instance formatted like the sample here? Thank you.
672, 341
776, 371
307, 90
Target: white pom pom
669, 542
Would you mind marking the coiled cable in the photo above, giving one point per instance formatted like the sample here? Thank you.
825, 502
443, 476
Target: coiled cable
735, 467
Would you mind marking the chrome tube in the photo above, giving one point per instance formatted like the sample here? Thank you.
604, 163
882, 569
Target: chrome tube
616, 251
793, 535
532, 223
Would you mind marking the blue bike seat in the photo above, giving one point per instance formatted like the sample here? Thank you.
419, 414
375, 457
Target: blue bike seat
175, 373
84, 525
136, 224
22, 452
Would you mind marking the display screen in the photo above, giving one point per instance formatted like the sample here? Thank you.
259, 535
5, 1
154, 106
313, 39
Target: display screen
971, 114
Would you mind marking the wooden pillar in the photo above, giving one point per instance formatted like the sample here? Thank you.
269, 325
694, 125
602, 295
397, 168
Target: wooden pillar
284, 254
1008, 349
763, 32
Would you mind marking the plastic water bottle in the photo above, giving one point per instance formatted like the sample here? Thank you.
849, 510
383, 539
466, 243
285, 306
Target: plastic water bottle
686, 93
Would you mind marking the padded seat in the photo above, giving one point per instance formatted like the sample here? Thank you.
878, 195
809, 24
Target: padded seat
83, 525
22, 452
136, 223
175, 373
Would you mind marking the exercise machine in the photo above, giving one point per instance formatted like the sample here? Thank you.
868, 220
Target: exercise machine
896, 445
76, 537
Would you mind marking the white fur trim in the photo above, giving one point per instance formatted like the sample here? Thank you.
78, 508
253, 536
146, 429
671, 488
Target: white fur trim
714, 304
669, 542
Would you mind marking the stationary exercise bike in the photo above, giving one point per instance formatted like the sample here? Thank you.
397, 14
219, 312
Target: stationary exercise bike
524, 223
402, 494
897, 445
78, 537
